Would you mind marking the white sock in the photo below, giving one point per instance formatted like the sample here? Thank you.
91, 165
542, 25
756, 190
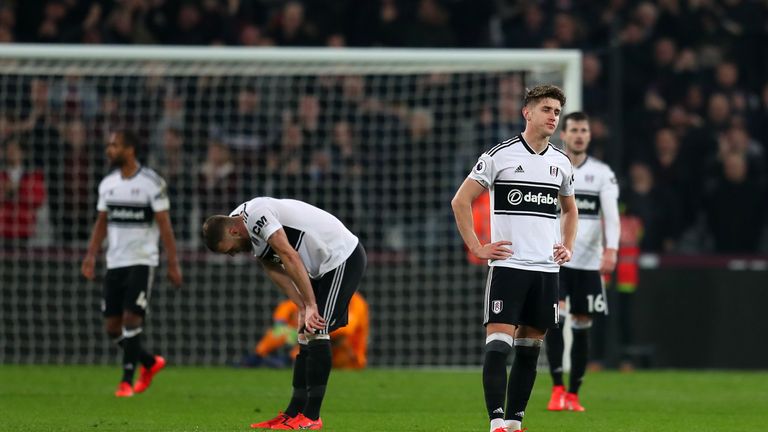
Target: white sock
513, 425
497, 423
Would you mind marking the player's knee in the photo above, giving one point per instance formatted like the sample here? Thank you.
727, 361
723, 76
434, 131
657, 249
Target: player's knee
114, 329
581, 323
132, 320
499, 342
131, 331
529, 342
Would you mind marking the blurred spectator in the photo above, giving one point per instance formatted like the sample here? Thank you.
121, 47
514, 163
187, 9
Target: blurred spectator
189, 28
737, 140
312, 125
431, 27
251, 36
718, 114
77, 182
285, 161
22, 193
244, 128
172, 117
218, 181
735, 194
74, 96
595, 94
174, 167
567, 33
289, 28
528, 29
658, 209
670, 169
345, 150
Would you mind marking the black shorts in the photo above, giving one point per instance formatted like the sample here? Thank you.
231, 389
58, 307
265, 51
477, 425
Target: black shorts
127, 289
521, 297
334, 290
584, 290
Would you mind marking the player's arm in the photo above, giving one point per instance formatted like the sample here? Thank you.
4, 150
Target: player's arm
279, 277
98, 235
462, 211
609, 207
295, 269
163, 220
569, 222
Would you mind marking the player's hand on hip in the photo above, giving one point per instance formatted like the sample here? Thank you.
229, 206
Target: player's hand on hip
312, 319
88, 268
494, 251
561, 254
174, 274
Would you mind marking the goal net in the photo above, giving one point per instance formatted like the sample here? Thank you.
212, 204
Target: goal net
380, 138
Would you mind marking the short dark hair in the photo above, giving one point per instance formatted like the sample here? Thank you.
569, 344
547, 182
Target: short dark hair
575, 116
545, 91
214, 229
130, 138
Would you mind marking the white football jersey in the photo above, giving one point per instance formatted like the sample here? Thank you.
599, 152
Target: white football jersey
524, 188
322, 241
131, 204
597, 194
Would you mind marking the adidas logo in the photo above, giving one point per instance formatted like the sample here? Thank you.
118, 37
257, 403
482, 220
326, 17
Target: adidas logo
520, 414
498, 411
519, 169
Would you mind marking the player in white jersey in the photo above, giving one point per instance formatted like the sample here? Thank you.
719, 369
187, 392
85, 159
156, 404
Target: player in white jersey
526, 177
133, 213
597, 194
318, 263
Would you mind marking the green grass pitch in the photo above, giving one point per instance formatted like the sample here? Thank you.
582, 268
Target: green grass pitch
79, 398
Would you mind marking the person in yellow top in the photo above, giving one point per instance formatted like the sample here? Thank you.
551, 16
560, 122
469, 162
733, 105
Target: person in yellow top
348, 344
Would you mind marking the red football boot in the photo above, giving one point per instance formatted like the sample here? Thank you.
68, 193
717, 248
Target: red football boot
146, 375
281, 417
300, 422
557, 400
124, 390
572, 402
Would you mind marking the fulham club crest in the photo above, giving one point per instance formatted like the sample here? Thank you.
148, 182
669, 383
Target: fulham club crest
497, 306
553, 170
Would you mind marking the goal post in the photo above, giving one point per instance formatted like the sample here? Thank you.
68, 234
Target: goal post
379, 137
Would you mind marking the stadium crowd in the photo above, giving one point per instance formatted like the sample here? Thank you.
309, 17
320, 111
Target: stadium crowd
693, 101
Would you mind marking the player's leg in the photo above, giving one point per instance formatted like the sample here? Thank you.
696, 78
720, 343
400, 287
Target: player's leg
299, 380
587, 300
499, 342
333, 293
299, 384
540, 312
112, 310
138, 280
555, 346
504, 297
580, 326
528, 341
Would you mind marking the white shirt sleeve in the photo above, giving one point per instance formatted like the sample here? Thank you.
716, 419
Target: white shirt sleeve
158, 197
261, 221
609, 206
566, 187
484, 171
101, 204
